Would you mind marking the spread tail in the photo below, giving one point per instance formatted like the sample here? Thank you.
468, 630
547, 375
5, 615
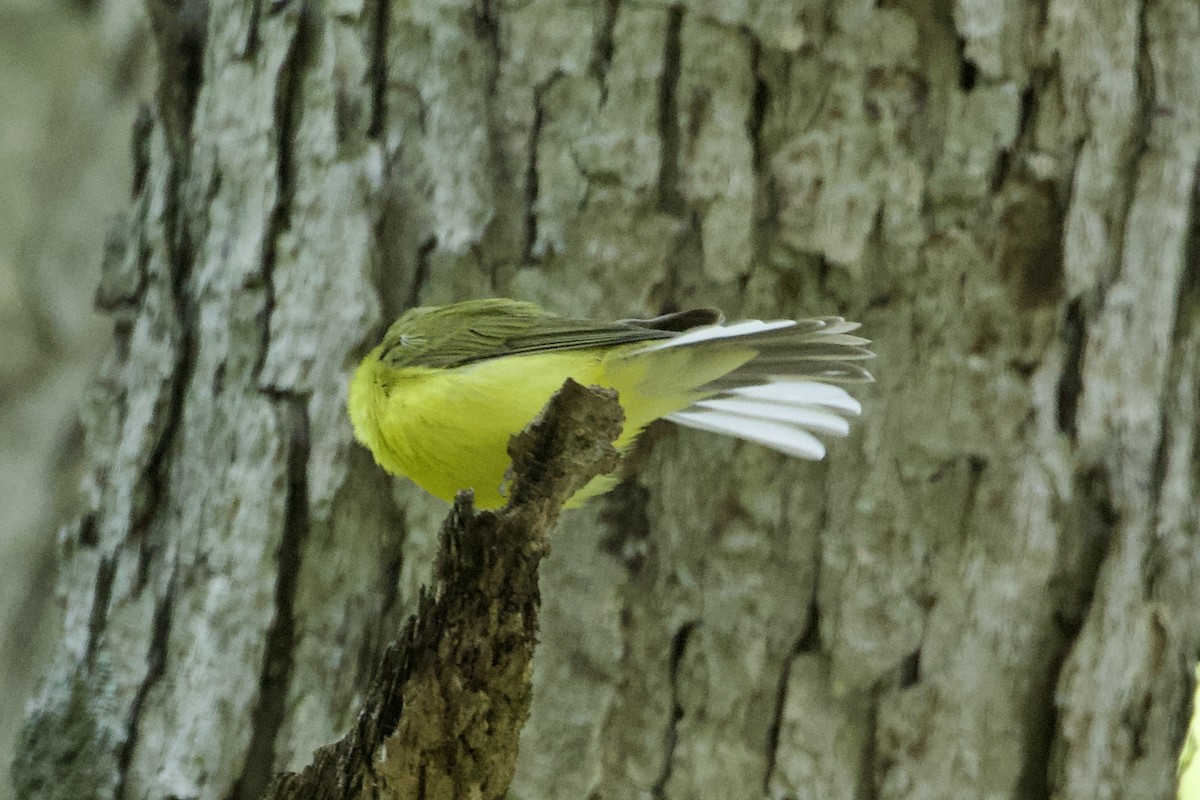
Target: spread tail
788, 391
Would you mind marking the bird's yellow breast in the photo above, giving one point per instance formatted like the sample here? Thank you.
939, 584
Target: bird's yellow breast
448, 429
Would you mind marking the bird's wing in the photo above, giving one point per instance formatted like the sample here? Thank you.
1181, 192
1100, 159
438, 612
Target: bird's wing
464, 333
551, 334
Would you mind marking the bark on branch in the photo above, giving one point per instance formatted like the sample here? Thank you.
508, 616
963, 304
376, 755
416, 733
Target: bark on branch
451, 694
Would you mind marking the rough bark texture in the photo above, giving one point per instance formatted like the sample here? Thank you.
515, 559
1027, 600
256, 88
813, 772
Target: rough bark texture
990, 591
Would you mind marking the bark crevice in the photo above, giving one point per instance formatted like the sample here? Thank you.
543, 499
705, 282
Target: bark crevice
679, 643
156, 474
279, 652
287, 117
156, 665
603, 46
670, 197
1070, 382
180, 31
378, 70
531, 169
779, 708
98, 618
760, 101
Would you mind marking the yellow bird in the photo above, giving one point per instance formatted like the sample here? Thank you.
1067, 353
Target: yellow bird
437, 400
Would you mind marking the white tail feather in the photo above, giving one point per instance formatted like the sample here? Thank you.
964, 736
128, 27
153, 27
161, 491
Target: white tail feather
779, 436
780, 397
844, 338
812, 417
842, 326
720, 332
797, 392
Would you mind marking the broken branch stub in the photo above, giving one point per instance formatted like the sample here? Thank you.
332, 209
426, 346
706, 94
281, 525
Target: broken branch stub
449, 698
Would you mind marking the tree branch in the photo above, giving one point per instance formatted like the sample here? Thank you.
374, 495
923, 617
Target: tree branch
450, 696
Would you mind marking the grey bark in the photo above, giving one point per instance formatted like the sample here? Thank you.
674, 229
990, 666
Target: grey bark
990, 590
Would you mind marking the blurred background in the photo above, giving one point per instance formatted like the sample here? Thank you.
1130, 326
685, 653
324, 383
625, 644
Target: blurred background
72, 77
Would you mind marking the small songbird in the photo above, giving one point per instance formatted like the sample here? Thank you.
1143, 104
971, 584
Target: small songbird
437, 400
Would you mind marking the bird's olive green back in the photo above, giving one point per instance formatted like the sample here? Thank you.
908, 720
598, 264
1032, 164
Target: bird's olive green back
450, 336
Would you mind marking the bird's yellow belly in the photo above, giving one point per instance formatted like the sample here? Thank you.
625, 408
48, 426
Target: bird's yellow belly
448, 429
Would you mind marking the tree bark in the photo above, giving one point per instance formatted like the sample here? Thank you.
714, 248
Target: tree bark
990, 590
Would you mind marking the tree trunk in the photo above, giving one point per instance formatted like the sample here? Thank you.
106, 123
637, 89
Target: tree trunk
990, 590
